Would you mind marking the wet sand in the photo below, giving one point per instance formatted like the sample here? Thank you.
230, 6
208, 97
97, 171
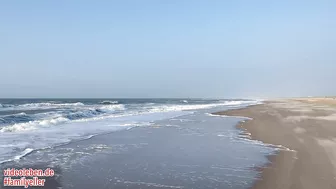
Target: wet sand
306, 126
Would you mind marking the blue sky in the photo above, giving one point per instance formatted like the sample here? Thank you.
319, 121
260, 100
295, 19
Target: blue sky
175, 48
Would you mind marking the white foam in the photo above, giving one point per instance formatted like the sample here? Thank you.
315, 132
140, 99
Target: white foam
109, 102
22, 113
33, 124
136, 124
48, 104
168, 108
56, 119
42, 105
18, 157
215, 115
113, 107
53, 129
260, 143
14, 115
50, 119
24, 153
225, 116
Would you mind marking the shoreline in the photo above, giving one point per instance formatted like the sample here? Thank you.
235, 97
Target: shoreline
306, 132
186, 152
264, 169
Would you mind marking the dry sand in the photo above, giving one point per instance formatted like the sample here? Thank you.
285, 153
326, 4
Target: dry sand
307, 127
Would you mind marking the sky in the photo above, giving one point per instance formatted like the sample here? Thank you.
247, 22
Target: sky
167, 48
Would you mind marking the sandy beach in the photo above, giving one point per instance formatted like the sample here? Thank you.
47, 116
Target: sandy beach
306, 129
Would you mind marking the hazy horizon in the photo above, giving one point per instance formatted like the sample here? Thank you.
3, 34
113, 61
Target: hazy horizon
167, 49
179, 98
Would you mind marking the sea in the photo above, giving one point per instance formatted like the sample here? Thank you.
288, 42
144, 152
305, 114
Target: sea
132, 143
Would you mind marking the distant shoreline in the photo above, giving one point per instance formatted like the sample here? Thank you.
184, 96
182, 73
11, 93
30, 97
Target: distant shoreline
305, 128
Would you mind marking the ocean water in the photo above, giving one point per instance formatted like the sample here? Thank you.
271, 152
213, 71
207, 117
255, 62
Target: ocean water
189, 147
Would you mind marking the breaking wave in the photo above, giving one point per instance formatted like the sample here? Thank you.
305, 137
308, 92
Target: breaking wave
81, 112
22, 122
48, 104
43, 105
63, 121
33, 124
109, 102
15, 118
92, 112
5, 105
109, 108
